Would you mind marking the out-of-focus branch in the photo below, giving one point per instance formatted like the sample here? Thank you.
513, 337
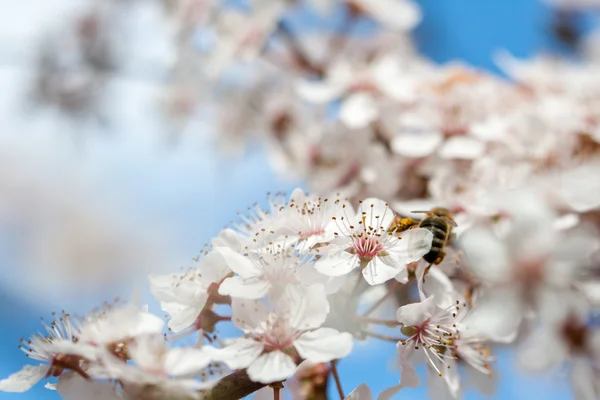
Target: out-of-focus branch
296, 47
234, 386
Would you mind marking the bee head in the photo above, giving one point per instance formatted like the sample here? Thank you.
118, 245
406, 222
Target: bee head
442, 212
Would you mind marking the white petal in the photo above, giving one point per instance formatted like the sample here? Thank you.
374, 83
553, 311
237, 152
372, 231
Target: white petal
309, 310
392, 81
324, 344
541, 351
23, 380
182, 361
227, 238
486, 255
388, 393
362, 392
415, 313
412, 245
236, 286
148, 324
417, 144
358, 111
272, 367
240, 354
451, 378
72, 386
213, 268
497, 316
462, 147
408, 375
584, 381
437, 284
238, 263
337, 263
377, 208
319, 92
184, 318
378, 271
248, 314
393, 14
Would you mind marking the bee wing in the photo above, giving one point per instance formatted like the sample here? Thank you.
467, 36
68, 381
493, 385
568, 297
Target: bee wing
413, 245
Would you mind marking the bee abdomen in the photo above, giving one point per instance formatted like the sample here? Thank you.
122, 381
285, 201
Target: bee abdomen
440, 230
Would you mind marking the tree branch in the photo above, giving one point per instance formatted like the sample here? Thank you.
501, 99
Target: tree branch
234, 386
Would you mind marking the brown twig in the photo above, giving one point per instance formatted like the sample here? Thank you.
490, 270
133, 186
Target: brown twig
296, 47
383, 337
233, 387
336, 377
377, 321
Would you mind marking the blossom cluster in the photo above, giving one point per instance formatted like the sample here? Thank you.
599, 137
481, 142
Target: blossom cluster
384, 138
297, 278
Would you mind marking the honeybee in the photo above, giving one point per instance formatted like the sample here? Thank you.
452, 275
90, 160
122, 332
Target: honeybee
439, 221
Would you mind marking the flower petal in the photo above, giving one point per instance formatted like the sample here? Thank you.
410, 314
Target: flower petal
336, 263
248, 314
324, 344
238, 263
240, 354
181, 361
23, 380
378, 212
388, 393
408, 375
415, 313
362, 392
252, 288
487, 256
72, 386
393, 14
184, 318
358, 111
497, 316
462, 147
377, 271
272, 367
412, 245
309, 310
416, 144
319, 92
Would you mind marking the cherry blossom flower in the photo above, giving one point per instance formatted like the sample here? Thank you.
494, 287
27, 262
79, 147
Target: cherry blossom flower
380, 255
275, 342
185, 295
270, 273
163, 370
59, 349
433, 330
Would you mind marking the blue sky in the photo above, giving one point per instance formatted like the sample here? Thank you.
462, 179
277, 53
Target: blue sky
194, 194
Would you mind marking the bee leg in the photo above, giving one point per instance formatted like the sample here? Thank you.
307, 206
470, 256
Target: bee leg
436, 262
427, 270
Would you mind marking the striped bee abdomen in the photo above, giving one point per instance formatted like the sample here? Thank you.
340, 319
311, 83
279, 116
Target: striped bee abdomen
441, 230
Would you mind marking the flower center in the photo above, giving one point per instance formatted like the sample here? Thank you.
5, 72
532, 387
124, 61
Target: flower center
366, 247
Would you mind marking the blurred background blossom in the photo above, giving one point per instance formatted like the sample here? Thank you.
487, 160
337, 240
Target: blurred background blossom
133, 131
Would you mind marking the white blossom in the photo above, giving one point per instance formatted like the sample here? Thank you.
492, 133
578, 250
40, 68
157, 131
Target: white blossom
363, 240
275, 342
